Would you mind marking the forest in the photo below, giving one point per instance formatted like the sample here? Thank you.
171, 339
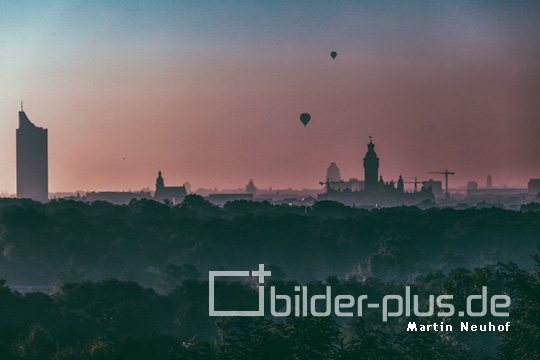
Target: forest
151, 242
130, 281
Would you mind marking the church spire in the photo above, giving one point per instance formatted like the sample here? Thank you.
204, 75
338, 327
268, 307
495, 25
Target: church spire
160, 184
400, 185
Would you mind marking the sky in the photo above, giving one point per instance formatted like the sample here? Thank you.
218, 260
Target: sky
211, 92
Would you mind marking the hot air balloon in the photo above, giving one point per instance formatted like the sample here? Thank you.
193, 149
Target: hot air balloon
304, 118
333, 54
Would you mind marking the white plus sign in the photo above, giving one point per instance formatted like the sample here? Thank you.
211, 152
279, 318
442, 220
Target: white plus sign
261, 273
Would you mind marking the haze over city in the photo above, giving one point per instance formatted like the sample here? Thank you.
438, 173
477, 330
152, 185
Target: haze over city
212, 93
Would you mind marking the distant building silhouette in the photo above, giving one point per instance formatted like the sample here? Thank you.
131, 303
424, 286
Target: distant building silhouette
250, 187
489, 182
332, 173
400, 186
498, 197
534, 186
435, 186
373, 191
473, 185
176, 194
371, 168
334, 181
32, 163
187, 186
352, 184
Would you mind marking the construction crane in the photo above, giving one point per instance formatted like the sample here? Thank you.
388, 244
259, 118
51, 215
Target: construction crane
415, 182
445, 173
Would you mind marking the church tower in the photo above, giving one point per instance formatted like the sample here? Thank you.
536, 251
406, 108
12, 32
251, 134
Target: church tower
489, 182
160, 184
400, 185
371, 168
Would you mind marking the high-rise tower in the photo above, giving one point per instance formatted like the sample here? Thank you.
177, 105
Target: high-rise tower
371, 168
32, 163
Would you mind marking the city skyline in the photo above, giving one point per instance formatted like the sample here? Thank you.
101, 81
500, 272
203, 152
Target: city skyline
213, 93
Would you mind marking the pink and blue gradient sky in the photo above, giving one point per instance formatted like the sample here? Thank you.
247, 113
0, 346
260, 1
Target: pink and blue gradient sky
211, 92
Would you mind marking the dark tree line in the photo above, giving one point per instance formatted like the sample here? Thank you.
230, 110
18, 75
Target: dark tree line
145, 240
130, 280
